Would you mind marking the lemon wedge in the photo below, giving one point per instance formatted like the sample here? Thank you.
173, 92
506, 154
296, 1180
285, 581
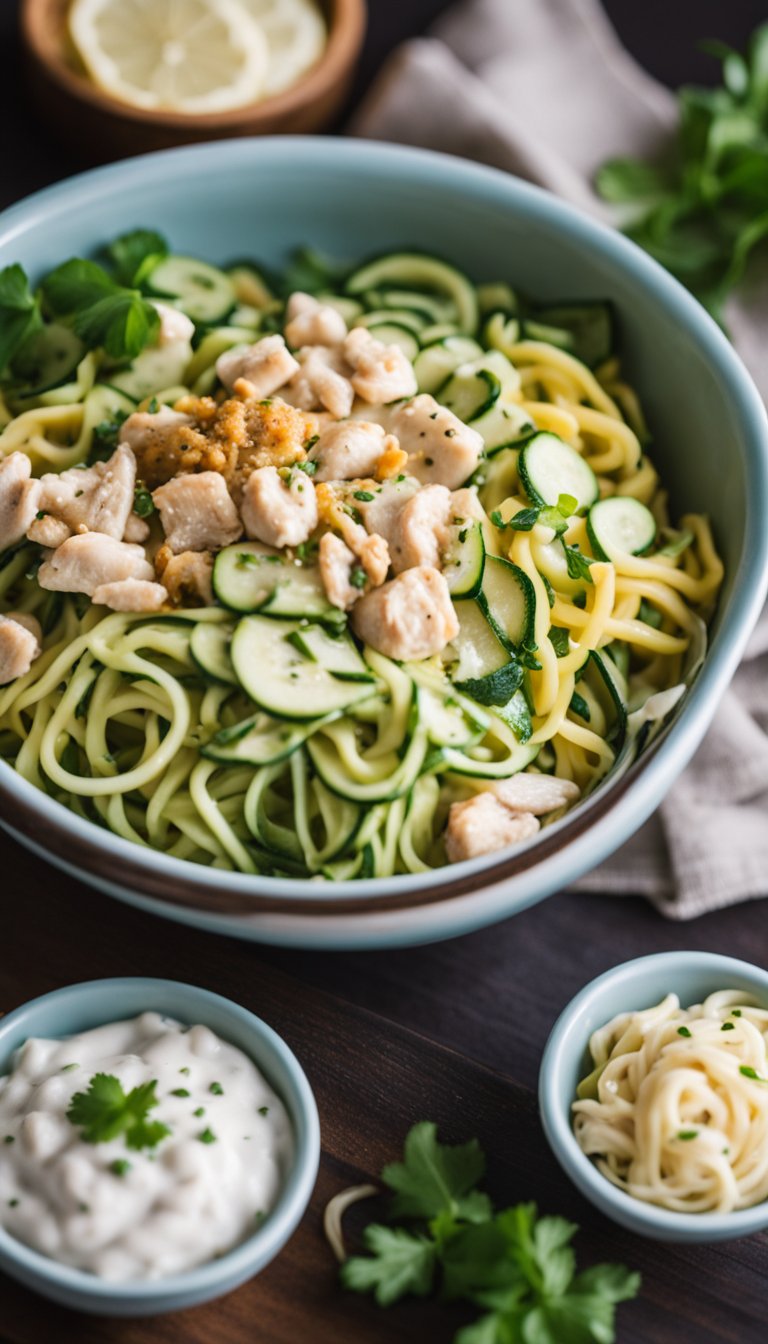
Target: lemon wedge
189, 56
296, 34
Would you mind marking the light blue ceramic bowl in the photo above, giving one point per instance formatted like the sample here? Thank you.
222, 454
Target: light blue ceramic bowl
262, 198
81, 1007
566, 1060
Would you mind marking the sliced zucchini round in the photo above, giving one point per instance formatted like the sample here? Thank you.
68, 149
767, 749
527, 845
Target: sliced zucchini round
509, 603
485, 670
404, 317
549, 468
336, 777
464, 560
431, 307
250, 286
470, 392
209, 646
517, 758
49, 358
249, 577
412, 270
259, 740
281, 679
620, 526
436, 362
334, 652
200, 290
497, 296
394, 333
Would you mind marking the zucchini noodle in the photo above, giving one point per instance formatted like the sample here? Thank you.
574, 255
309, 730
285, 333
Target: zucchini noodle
119, 720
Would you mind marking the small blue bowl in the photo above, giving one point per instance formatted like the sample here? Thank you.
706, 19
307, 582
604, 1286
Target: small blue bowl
636, 985
80, 1007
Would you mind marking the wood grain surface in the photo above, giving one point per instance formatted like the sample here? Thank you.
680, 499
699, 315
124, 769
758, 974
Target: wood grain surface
452, 1032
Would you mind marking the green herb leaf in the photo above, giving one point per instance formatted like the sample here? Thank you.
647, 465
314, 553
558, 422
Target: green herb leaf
143, 503
434, 1177
400, 1263
105, 1112
559, 638
103, 313
135, 255
577, 564
19, 313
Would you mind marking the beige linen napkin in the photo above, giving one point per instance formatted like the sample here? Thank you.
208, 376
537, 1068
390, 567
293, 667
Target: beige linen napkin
544, 89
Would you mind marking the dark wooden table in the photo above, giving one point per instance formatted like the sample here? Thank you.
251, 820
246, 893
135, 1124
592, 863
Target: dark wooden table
452, 1033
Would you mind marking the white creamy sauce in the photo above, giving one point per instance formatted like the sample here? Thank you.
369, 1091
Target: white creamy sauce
197, 1193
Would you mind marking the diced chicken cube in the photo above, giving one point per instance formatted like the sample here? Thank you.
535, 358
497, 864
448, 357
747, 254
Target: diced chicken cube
349, 449
266, 365
84, 562
370, 549
187, 577
538, 794
440, 447
197, 512
410, 617
18, 498
48, 531
337, 562
136, 529
175, 327
143, 426
309, 322
421, 534
321, 383
92, 499
481, 825
381, 373
276, 511
20, 645
131, 595
382, 513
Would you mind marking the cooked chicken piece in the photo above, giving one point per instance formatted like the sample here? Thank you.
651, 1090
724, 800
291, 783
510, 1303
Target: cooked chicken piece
440, 447
382, 373
381, 514
142, 429
84, 562
350, 449
186, 577
533, 793
48, 531
266, 365
309, 322
276, 511
131, 595
421, 533
371, 549
410, 617
466, 506
136, 529
29, 622
18, 498
321, 382
337, 562
19, 647
175, 327
90, 499
197, 513
482, 825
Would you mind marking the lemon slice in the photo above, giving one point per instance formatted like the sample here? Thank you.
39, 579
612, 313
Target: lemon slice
192, 56
296, 34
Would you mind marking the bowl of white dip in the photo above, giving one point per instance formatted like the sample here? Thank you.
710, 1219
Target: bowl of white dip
159, 1144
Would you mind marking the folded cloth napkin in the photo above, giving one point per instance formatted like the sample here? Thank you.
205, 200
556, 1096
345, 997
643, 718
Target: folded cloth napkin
545, 90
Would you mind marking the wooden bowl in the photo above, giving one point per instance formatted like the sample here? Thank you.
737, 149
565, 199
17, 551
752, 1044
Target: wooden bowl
99, 127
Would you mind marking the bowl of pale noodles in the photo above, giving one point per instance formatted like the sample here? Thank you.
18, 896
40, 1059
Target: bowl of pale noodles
653, 1091
378, 536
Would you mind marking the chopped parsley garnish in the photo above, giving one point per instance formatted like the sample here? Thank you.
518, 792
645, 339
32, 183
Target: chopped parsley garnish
120, 1167
181, 1092
577, 564
68, 1068
358, 577
9, 1138
728, 1026
735, 1012
103, 314
185, 1071
683, 1031
686, 1134
364, 495
216, 1089
105, 1112
207, 1136
13, 1203
200, 1111
306, 551
263, 1110
516, 1268
560, 638
749, 1072
309, 468
143, 503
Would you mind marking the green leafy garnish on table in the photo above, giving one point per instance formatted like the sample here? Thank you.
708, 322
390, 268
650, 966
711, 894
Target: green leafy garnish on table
105, 1111
520, 1269
703, 215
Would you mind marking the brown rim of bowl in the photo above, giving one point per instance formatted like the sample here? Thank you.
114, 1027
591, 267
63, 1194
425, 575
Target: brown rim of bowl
21, 817
346, 28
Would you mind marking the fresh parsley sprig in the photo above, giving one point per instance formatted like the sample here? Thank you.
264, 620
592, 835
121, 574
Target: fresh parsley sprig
705, 213
104, 313
105, 1111
555, 516
520, 1269
19, 313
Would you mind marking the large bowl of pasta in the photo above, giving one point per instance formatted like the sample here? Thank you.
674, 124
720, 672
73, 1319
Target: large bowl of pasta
378, 536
